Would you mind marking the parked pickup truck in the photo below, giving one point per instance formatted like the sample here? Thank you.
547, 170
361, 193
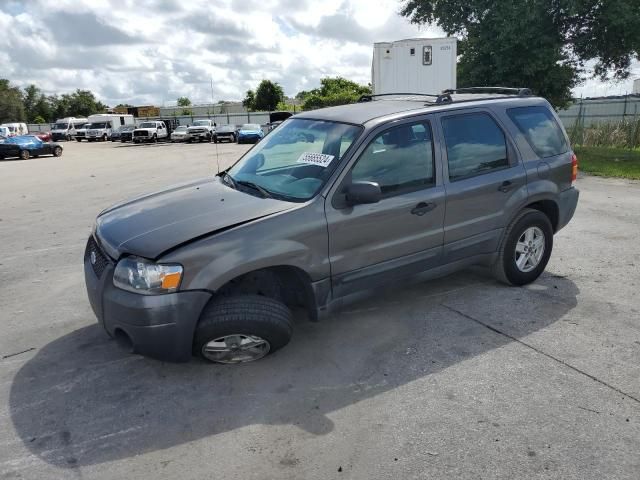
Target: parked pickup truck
150, 132
201, 130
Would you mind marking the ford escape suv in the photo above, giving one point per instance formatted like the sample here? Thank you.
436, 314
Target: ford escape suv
333, 203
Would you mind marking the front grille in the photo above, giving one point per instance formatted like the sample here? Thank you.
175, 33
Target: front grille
80, 134
126, 136
141, 133
93, 251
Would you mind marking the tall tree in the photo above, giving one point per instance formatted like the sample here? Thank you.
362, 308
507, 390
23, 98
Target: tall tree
83, 103
542, 44
268, 95
249, 101
184, 102
11, 105
333, 91
30, 99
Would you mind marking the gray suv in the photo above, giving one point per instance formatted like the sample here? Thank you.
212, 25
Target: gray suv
331, 204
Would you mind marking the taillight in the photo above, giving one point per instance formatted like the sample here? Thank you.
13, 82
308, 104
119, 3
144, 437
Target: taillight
574, 168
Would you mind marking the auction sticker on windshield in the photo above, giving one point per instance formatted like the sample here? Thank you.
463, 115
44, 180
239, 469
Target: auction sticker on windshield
320, 159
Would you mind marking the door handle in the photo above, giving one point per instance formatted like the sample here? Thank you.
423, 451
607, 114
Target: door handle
422, 208
506, 186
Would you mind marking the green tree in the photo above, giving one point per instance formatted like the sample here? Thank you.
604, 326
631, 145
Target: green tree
249, 101
268, 95
333, 91
38, 119
30, 99
83, 103
542, 44
11, 105
184, 102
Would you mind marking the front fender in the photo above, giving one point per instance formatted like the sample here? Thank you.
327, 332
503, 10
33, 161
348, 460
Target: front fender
296, 238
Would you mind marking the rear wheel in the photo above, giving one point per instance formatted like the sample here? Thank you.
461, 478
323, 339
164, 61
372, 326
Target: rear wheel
526, 248
57, 152
24, 154
242, 328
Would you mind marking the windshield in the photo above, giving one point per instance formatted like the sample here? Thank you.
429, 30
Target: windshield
98, 125
60, 126
181, 129
250, 126
127, 128
201, 123
226, 128
296, 160
147, 125
86, 125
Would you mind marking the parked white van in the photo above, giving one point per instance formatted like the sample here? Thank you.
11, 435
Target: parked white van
65, 128
103, 123
16, 128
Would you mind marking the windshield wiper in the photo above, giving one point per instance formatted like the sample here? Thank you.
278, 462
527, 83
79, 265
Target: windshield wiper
265, 193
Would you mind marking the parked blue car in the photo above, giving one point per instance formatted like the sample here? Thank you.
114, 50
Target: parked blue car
27, 146
250, 133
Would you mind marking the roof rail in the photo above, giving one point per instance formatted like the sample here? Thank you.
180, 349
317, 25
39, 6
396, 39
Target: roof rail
370, 96
521, 92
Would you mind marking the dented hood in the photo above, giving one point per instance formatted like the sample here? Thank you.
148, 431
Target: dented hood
150, 225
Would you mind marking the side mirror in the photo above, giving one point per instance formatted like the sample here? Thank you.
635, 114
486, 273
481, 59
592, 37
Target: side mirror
363, 192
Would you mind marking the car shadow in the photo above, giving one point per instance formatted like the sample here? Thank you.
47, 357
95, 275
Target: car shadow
81, 401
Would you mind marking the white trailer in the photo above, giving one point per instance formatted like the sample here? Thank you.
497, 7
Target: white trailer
103, 123
416, 65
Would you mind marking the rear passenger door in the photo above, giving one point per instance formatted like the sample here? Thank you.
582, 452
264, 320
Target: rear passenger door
373, 244
485, 183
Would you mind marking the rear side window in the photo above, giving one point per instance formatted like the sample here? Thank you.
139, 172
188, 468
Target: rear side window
475, 145
540, 129
399, 160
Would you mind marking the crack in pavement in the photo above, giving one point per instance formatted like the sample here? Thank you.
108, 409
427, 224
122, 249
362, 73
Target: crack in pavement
537, 350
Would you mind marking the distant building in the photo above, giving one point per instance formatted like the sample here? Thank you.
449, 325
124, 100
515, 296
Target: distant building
636, 86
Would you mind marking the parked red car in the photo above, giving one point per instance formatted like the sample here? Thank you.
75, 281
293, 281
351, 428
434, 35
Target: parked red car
44, 136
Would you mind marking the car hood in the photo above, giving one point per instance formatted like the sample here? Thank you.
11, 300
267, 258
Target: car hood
150, 225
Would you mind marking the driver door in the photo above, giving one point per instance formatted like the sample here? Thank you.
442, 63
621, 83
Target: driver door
374, 244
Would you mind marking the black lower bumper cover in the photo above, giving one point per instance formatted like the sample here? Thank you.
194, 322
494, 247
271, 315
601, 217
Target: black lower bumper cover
159, 326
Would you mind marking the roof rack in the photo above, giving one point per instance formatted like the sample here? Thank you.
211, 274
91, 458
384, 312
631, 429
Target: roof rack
521, 92
444, 97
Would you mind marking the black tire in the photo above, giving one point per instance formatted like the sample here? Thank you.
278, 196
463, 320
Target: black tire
78, 140
25, 155
155, 138
505, 268
57, 152
255, 315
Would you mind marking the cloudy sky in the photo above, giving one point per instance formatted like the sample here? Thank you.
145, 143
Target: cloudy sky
151, 52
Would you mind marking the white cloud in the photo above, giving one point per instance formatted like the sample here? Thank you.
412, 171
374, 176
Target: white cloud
153, 51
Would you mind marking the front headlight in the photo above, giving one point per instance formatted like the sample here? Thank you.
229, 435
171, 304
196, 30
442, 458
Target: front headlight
143, 276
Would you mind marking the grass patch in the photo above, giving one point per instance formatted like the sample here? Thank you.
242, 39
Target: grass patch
609, 162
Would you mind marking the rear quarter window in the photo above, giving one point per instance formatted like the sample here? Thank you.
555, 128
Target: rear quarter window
540, 129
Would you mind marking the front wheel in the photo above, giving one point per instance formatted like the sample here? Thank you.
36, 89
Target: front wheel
525, 249
24, 154
242, 329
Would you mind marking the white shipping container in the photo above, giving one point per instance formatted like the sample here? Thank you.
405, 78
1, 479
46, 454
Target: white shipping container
417, 65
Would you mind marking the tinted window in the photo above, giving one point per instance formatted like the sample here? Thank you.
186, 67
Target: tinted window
399, 159
475, 145
540, 129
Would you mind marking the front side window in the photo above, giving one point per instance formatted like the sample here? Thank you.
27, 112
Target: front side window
296, 159
475, 145
540, 129
399, 160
